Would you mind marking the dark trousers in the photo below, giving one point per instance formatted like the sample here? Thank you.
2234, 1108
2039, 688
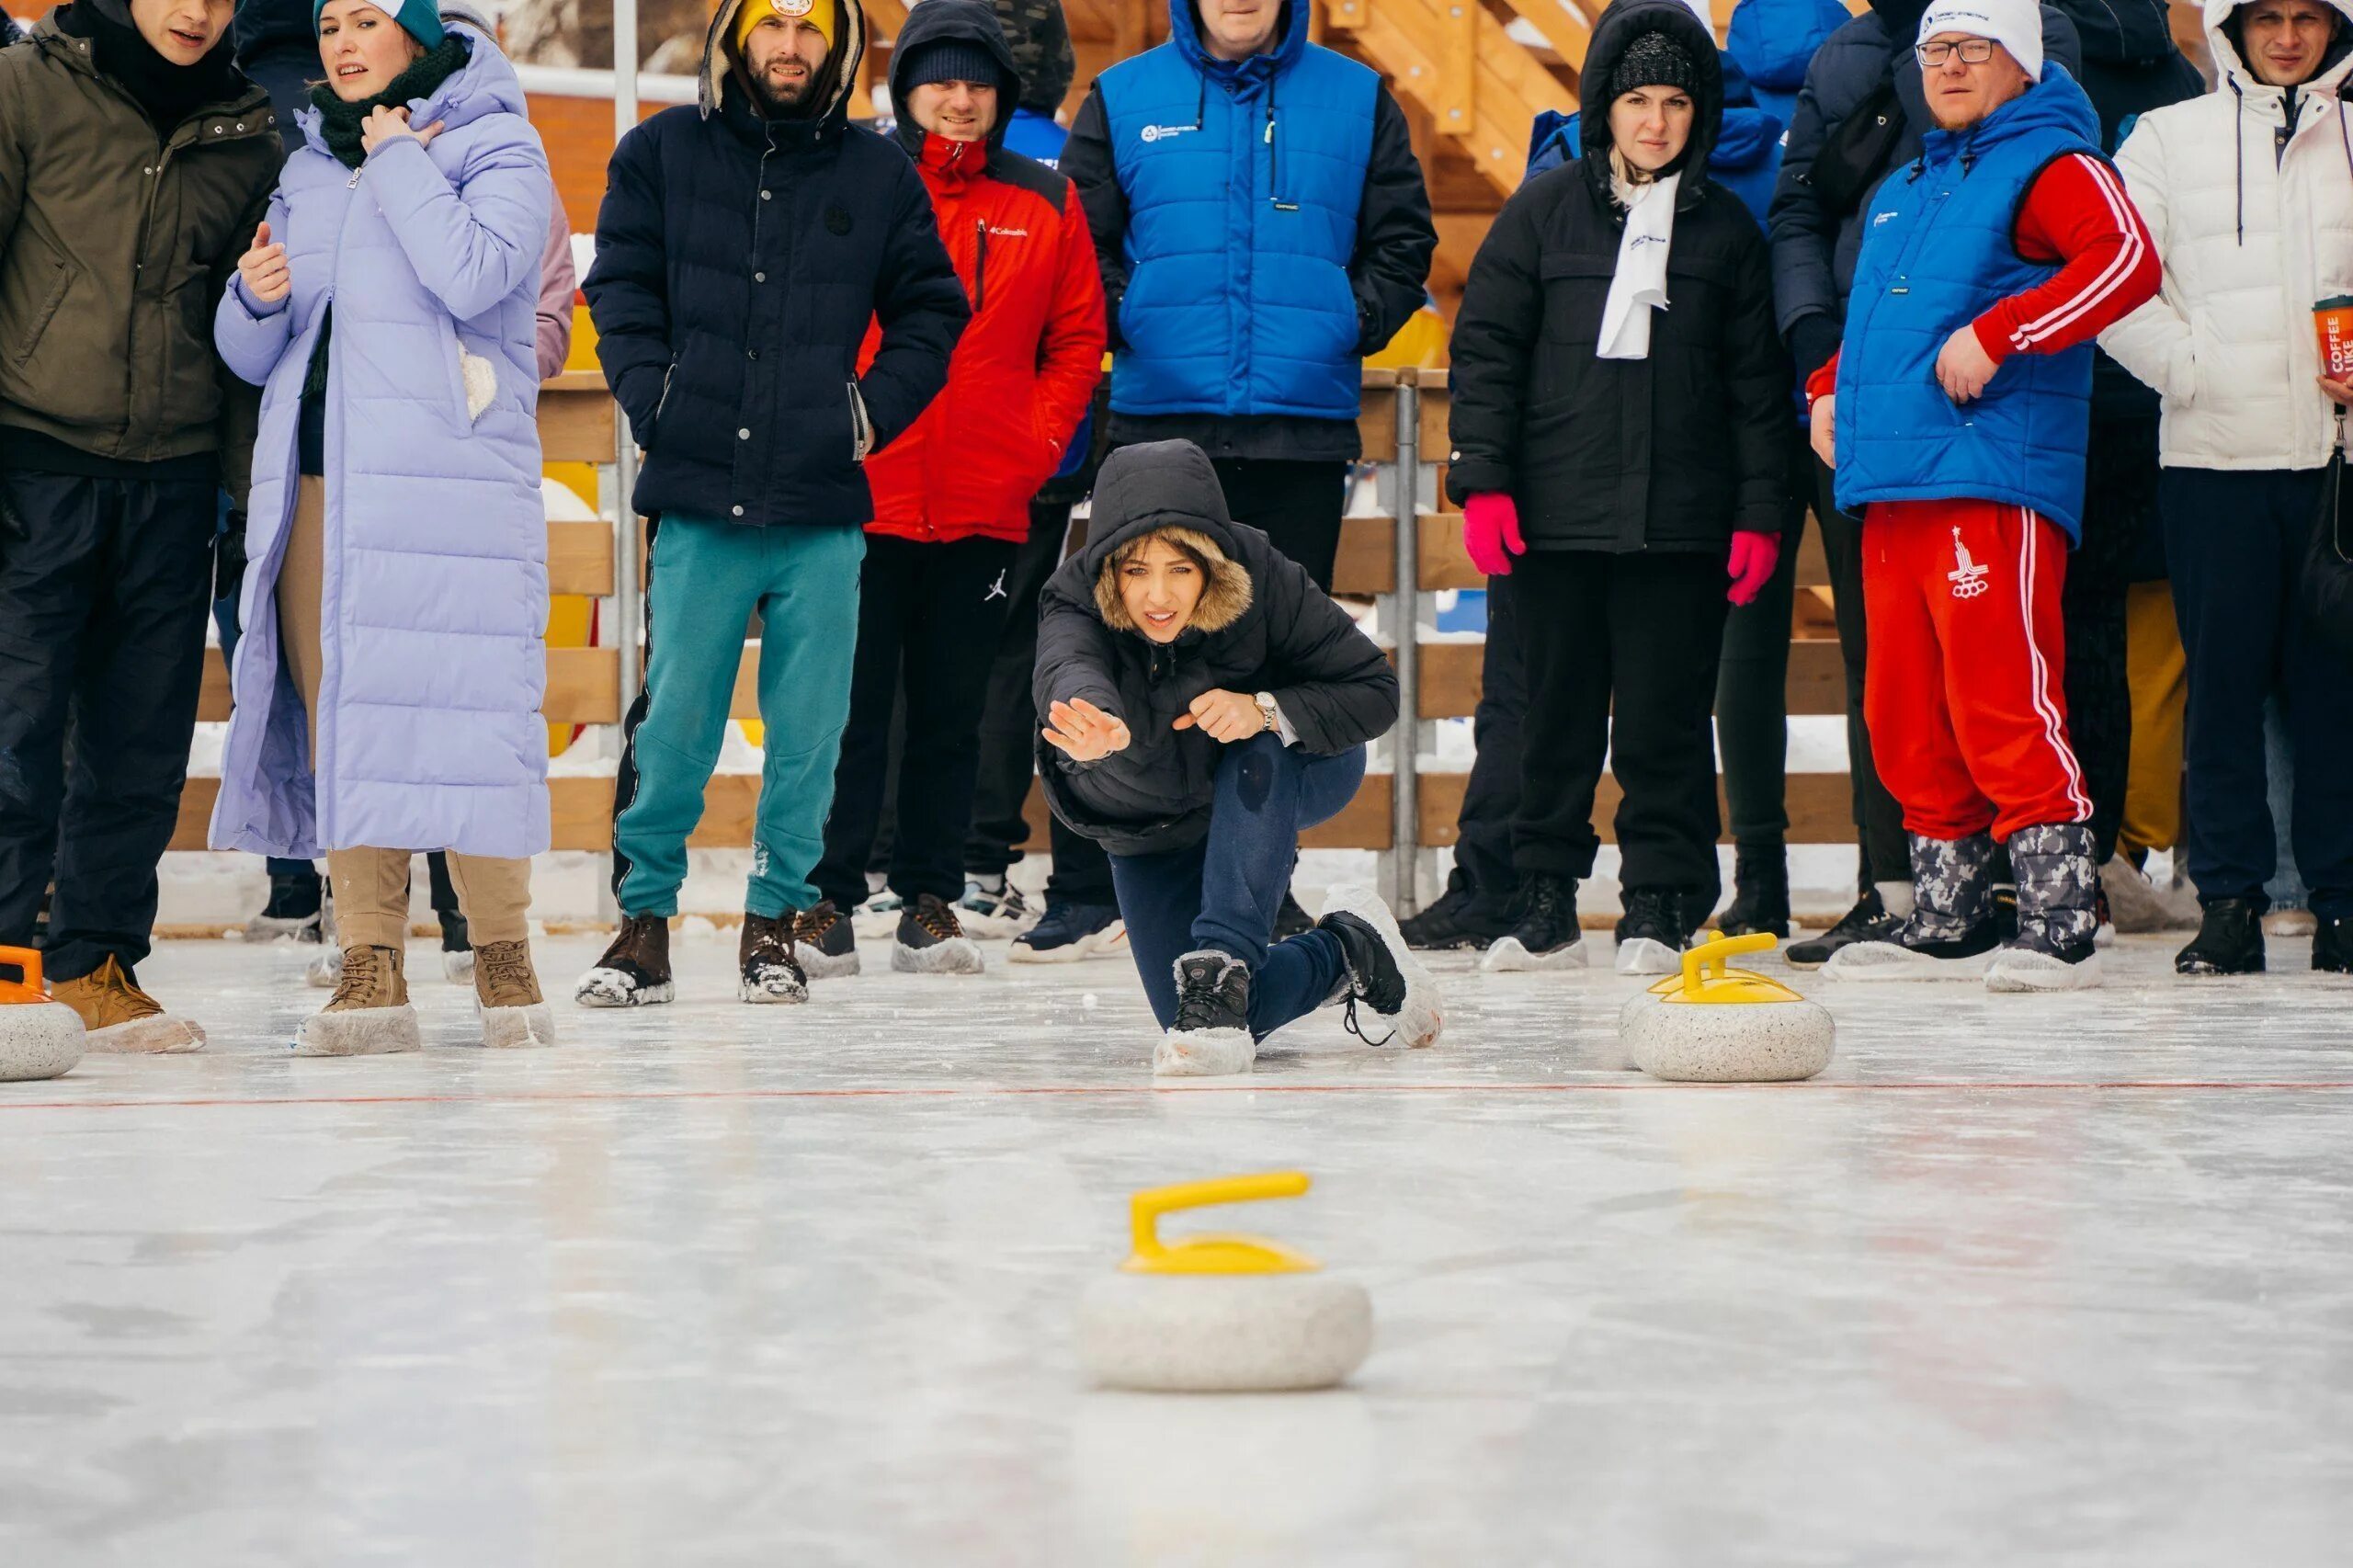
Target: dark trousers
2119, 496
1879, 821
105, 586
1298, 504
1646, 629
923, 610
1491, 795
1752, 684
1224, 893
2235, 544
226, 619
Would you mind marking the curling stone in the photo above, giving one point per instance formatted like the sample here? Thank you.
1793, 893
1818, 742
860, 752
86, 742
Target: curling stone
38, 1037
1725, 1027
1220, 1313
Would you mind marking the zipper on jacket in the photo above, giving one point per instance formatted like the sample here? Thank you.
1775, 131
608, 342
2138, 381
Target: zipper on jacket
664, 400
861, 429
1274, 158
980, 264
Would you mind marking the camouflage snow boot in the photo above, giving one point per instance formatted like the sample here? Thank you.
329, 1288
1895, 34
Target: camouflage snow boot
1951, 929
2058, 912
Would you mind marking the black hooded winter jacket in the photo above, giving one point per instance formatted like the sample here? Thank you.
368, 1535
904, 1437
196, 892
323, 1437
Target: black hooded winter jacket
1672, 452
1261, 625
739, 261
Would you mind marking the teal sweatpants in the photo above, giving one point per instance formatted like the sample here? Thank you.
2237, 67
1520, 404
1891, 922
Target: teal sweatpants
707, 579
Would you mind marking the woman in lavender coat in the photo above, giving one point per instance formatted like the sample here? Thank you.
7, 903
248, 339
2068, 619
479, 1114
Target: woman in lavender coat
387, 309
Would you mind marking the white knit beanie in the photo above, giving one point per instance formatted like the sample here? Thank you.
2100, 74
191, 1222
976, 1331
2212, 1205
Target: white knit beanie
2016, 25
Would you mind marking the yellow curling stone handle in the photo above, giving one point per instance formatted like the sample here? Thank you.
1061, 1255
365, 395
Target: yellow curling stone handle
1214, 1254
1727, 984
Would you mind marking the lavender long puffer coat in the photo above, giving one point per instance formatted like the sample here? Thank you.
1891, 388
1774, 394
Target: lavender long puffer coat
436, 596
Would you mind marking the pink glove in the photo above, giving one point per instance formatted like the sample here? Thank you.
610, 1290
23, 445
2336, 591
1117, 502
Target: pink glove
1753, 556
1490, 527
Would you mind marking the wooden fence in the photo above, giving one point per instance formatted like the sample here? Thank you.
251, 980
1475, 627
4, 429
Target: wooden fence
1404, 417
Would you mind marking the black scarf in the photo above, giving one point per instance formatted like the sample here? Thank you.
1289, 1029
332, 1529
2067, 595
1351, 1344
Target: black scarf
339, 128
169, 93
340, 123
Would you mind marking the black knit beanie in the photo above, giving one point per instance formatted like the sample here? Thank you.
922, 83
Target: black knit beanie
1653, 60
952, 60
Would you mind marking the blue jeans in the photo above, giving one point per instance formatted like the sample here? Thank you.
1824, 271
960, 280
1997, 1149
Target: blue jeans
1224, 892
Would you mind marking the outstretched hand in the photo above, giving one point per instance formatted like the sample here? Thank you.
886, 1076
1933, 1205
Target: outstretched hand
1083, 732
385, 124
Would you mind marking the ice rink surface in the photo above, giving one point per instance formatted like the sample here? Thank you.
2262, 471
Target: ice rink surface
2019, 1280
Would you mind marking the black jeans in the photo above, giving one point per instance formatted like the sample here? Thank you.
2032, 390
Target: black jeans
105, 587
2119, 496
2235, 543
923, 610
1879, 821
1298, 504
1482, 858
1646, 629
1752, 684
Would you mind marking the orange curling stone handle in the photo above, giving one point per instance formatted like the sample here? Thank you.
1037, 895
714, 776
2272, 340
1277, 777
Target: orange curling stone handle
28, 989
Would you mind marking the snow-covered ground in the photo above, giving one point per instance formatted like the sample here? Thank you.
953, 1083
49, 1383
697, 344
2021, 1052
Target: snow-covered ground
2060, 1280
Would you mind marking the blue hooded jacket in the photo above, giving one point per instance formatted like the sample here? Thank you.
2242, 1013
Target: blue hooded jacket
1774, 41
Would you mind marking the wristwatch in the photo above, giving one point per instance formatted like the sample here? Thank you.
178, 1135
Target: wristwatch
1267, 710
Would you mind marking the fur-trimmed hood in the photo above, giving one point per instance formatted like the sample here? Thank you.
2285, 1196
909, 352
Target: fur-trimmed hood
1222, 602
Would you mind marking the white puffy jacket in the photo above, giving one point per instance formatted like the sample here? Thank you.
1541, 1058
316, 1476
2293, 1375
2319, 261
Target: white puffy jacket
2251, 243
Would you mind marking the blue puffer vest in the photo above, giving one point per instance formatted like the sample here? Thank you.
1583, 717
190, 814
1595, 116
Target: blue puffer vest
1938, 251
1243, 182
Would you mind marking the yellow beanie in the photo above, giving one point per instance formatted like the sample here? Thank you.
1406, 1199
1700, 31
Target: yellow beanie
818, 14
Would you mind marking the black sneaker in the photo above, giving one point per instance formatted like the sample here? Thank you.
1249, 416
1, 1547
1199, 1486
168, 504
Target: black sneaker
1869, 921
763, 961
1760, 897
931, 940
1381, 970
457, 948
1546, 935
2229, 940
825, 943
1461, 918
1652, 932
635, 970
294, 913
1290, 920
1211, 1035
2333, 945
1069, 932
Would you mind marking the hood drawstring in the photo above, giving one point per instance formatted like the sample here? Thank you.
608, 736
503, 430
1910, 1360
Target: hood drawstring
2238, 155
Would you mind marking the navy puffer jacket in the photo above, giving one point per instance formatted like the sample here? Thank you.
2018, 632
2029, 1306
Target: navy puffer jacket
739, 262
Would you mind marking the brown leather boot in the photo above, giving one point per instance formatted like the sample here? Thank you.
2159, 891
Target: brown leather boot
506, 990
635, 970
120, 1017
369, 1015
764, 959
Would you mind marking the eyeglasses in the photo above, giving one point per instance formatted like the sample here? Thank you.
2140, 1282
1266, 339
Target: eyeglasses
1972, 51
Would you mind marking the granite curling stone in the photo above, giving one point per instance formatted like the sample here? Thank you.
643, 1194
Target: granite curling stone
1220, 1313
38, 1037
1726, 1026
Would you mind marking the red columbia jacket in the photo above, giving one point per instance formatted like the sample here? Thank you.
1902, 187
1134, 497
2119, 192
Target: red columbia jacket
1027, 365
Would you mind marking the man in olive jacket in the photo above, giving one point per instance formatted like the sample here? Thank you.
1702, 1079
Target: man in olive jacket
135, 163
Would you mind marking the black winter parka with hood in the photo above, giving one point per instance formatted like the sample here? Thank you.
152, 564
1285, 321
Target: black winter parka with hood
1672, 452
1261, 625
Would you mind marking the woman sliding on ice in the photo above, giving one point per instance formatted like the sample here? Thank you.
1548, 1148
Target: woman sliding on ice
1204, 701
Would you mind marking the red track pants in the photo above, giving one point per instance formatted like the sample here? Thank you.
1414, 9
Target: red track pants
1962, 685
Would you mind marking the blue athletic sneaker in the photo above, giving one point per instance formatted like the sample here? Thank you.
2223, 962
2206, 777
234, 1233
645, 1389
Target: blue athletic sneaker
1069, 932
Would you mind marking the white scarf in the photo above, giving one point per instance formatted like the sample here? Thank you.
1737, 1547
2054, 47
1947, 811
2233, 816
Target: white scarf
1639, 284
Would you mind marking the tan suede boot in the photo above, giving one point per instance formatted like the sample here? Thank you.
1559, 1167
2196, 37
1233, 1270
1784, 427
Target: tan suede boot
507, 992
370, 1014
120, 1017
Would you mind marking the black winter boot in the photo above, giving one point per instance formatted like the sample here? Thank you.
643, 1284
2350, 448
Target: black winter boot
1653, 932
2333, 945
2229, 939
1461, 918
1760, 891
1546, 935
1869, 921
1211, 1035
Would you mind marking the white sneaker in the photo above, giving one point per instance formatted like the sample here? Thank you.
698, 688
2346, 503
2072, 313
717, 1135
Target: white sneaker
989, 916
879, 915
2023, 969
